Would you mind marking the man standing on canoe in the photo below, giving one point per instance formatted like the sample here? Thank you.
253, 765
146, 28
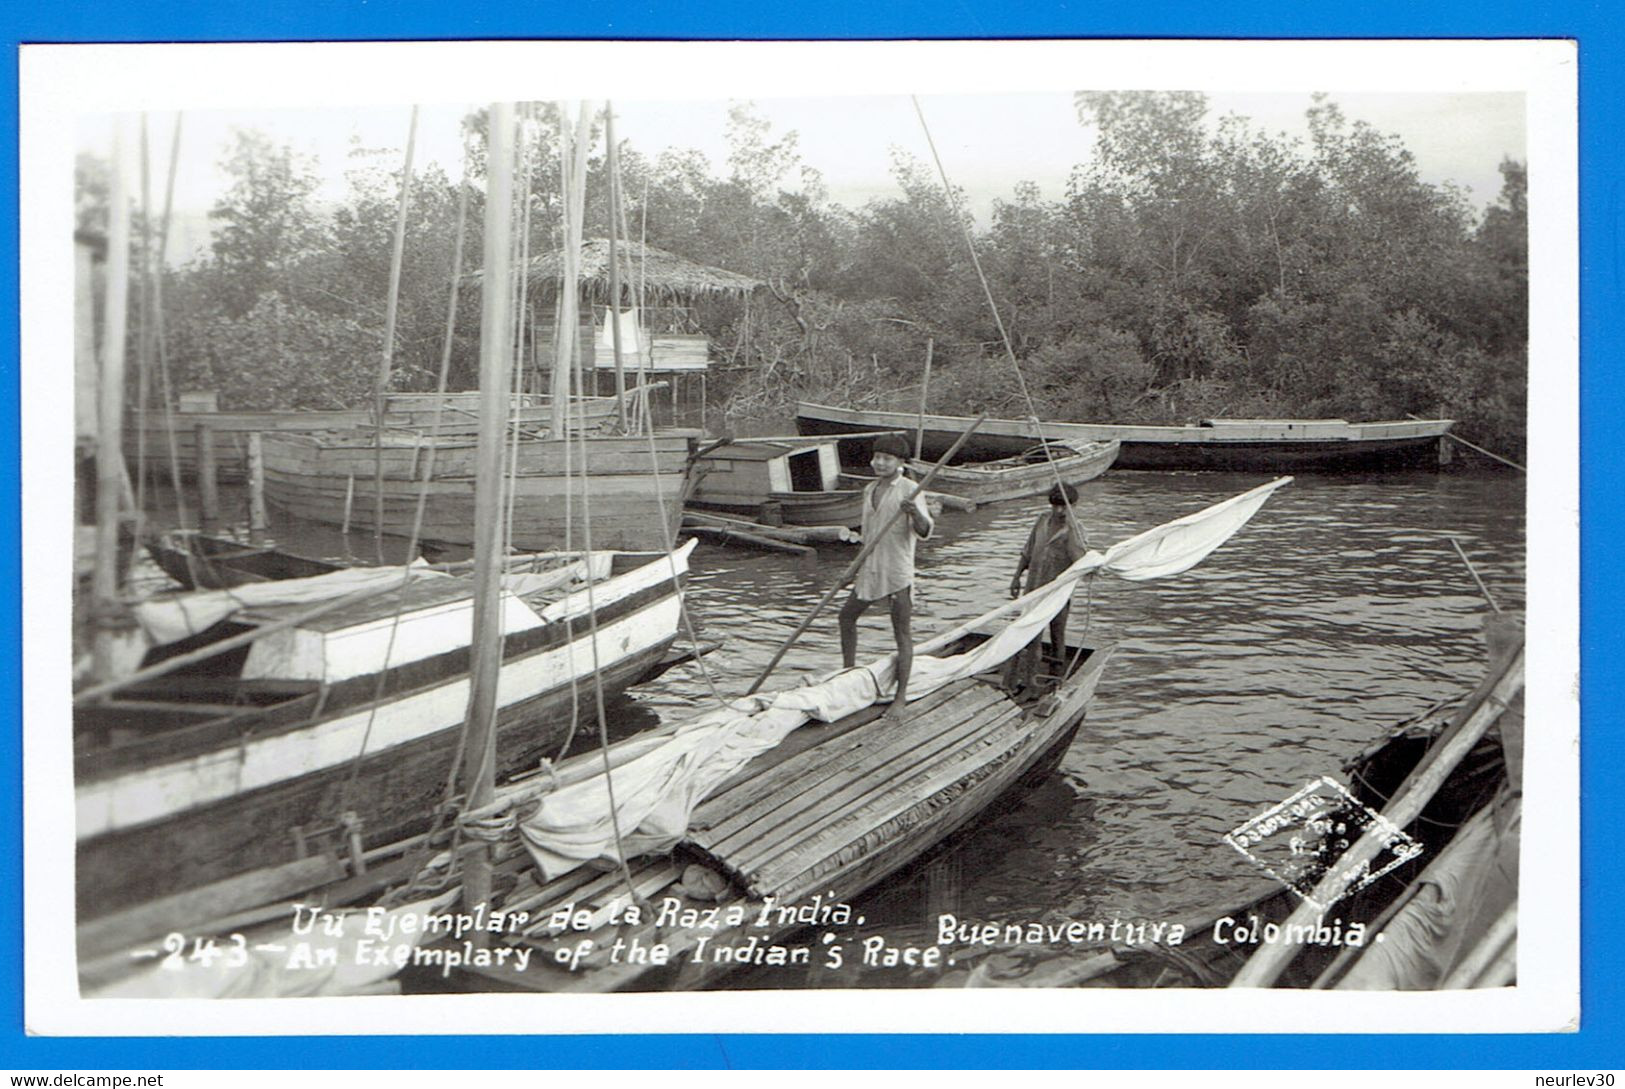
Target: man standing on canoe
1055, 543
887, 574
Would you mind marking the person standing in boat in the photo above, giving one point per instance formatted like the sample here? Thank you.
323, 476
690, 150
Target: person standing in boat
887, 574
1055, 543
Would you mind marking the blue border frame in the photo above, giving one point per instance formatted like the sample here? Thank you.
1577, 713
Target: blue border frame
1602, 221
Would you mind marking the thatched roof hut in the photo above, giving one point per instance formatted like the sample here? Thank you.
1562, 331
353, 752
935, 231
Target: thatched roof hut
664, 276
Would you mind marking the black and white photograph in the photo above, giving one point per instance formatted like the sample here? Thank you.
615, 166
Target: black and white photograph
866, 537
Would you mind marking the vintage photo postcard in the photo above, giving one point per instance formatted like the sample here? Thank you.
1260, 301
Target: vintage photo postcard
645, 537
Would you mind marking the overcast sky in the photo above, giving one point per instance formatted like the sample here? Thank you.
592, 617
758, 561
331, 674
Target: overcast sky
988, 142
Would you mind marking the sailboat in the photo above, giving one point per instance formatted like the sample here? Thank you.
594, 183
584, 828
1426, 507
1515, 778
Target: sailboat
626, 490
294, 732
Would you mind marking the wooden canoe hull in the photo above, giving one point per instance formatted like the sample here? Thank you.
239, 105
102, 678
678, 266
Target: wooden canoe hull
201, 562
394, 794
1262, 445
994, 481
624, 502
865, 850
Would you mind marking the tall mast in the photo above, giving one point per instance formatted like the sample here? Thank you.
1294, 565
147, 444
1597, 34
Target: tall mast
614, 266
495, 360
110, 411
381, 384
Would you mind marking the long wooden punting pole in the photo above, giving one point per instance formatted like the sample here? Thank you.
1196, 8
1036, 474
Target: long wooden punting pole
479, 771
110, 412
390, 309
1476, 716
614, 267
1473, 571
868, 547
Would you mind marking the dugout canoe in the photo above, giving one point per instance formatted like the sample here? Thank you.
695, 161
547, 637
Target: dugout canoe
343, 722
1469, 835
1031, 473
1261, 445
829, 813
631, 500
204, 561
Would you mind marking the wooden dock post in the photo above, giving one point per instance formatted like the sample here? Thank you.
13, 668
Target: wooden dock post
257, 520
925, 391
349, 502
208, 487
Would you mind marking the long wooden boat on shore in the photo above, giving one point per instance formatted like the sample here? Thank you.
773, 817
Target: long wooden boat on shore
804, 827
777, 481
1267, 445
633, 503
346, 718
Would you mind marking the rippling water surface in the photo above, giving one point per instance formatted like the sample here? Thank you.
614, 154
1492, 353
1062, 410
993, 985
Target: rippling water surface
1340, 610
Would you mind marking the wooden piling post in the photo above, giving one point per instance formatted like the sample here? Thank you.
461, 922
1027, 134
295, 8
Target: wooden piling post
257, 520
349, 502
208, 485
925, 391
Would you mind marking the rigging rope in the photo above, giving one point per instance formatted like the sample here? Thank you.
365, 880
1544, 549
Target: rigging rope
998, 321
144, 332
592, 618
391, 307
435, 424
520, 255
668, 530
1004, 335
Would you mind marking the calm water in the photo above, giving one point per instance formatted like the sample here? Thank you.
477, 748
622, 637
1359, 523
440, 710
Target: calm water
1340, 610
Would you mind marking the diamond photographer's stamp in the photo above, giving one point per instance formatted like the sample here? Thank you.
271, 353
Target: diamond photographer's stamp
1298, 841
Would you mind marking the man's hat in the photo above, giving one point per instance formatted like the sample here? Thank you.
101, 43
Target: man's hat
895, 445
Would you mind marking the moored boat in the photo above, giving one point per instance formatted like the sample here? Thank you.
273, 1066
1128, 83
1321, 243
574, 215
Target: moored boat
1031, 473
1443, 919
726, 816
448, 414
777, 481
828, 813
633, 502
203, 561
309, 720
1268, 445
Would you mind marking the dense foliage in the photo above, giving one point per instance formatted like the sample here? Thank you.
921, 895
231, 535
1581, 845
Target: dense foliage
1193, 269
